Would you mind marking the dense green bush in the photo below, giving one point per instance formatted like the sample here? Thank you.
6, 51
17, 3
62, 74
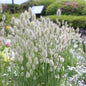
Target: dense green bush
74, 21
51, 9
44, 2
72, 7
27, 4
76, 7
8, 8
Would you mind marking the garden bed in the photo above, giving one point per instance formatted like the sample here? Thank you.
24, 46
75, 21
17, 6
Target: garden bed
37, 53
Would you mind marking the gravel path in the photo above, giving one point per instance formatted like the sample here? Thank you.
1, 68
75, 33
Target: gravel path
84, 37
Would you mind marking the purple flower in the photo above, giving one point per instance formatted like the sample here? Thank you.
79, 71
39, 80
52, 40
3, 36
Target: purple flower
72, 2
75, 6
7, 8
66, 3
72, 10
82, 5
62, 9
76, 3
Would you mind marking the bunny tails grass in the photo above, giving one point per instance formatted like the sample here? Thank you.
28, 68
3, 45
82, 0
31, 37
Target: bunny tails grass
41, 51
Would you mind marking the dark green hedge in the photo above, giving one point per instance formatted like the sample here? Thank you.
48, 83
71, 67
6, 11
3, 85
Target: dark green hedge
8, 8
74, 21
27, 4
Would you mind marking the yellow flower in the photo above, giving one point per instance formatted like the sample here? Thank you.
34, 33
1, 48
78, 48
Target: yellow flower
42, 83
7, 27
7, 84
7, 59
2, 54
70, 84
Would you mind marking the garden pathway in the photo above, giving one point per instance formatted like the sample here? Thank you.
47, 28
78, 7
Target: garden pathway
84, 37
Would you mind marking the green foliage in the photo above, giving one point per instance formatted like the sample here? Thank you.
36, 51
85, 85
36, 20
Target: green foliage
83, 77
8, 17
51, 9
44, 2
74, 21
84, 11
8, 8
27, 4
76, 7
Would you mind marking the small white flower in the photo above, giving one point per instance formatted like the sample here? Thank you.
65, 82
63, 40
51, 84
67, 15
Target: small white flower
57, 76
15, 73
3, 17
61, 59
34, 78
51, 63
75, 46
36, 60
58, 12
22, 68
33, 67
27, 75
9, 69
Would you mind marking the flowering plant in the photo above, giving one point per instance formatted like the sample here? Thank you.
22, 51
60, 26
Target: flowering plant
72, 7
41, 51
4, 50
38, 46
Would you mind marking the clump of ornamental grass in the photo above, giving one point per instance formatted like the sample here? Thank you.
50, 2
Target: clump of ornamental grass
3, 27
37, 46
2, 23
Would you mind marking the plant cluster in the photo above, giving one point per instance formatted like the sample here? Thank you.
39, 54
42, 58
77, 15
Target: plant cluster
76, 7
40, 51
72, 8
38, 46
4, 48
8, 8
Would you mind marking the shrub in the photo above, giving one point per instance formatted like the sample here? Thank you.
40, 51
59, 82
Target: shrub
27, 4
8, 8
84, 11
52, 8
74, 21
72, 8
17, 8
46, 3
68, 7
